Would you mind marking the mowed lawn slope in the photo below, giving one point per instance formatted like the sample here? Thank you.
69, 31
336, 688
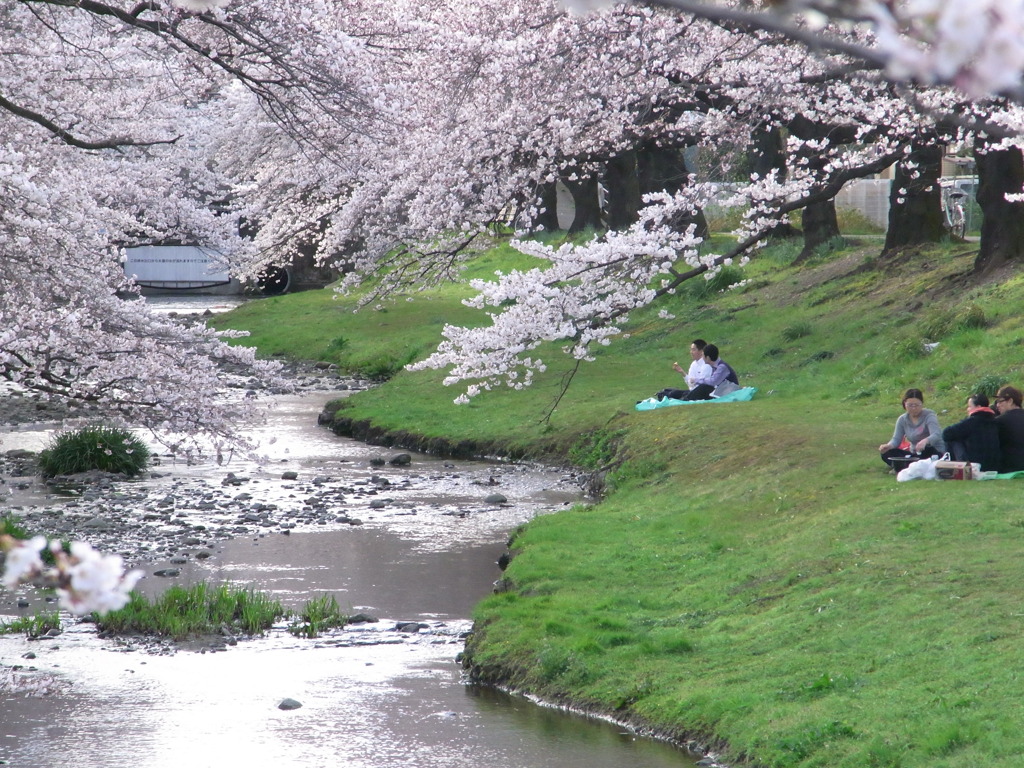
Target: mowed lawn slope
753, 575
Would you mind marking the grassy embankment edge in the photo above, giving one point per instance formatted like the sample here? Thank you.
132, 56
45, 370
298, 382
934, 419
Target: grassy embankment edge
754, 578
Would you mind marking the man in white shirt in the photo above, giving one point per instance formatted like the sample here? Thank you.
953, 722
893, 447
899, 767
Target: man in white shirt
699, 369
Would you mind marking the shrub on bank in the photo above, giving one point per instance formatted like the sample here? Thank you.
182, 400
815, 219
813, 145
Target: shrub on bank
107, 449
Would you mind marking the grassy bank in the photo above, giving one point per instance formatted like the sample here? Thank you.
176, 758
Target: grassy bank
755, 576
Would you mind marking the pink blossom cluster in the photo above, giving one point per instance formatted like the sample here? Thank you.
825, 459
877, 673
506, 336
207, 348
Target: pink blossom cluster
976, 45
85, 580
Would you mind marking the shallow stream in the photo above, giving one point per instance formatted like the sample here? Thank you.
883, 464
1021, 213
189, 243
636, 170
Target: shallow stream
415, 544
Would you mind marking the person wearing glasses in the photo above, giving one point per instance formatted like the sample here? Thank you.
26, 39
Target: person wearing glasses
917, 434
976, 438
1010, 423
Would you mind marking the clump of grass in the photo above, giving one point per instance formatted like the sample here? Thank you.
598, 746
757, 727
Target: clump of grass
945, 323
12, 526
990, 384
32, 626
182, 612
107, 449
909, 348
594, 450
725, 277
852, 222
797, 331
319, 614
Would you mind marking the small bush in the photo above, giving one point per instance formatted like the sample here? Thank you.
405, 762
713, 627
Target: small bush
107, 449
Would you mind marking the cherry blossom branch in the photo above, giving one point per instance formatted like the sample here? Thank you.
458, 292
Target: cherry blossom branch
69, 138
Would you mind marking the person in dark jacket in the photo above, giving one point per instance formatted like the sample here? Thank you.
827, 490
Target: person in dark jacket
718, 371
976, 438
1010, 423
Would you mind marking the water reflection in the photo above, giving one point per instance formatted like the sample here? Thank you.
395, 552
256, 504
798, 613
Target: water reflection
366, 707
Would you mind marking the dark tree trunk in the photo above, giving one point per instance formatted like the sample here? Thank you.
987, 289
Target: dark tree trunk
767, 154
1002, 225
547, 217
820, 227
664, 170
623, 190
915, 199
588, 207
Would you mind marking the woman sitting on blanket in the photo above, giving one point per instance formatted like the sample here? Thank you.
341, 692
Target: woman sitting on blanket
976, 438
917, 432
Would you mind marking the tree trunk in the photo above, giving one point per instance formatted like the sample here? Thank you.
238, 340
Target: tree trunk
623, 190
664, 170
588, 207
767, 154
547, 218
820, 227
915, 199
1002, 225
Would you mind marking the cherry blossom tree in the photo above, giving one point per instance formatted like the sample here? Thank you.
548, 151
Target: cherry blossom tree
112, 120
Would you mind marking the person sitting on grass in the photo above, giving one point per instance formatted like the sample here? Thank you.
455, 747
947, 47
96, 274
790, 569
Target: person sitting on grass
976, 438
698, 367
721, 372
917, 434
1010, 423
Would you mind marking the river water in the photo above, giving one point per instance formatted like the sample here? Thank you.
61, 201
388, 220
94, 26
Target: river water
371, 696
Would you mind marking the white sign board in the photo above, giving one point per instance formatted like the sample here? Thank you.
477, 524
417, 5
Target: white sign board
175, 266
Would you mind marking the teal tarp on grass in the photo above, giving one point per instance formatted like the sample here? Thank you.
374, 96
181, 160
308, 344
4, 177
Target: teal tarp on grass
733, 397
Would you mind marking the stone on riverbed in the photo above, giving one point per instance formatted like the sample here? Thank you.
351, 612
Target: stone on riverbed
289, 704
401, 460
495, 498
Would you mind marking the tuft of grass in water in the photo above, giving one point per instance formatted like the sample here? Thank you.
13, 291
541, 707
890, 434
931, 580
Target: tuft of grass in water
317, 615
108, 449
182, 612
32, 626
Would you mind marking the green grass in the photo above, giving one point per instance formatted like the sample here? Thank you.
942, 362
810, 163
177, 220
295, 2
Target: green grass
31, 626
181, 613
317, 616
13, 526
107, 449
202, 609
754, 576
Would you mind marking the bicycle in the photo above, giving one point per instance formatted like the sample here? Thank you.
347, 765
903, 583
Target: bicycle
956, 219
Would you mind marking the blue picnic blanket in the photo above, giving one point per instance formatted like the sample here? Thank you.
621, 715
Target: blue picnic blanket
733, 397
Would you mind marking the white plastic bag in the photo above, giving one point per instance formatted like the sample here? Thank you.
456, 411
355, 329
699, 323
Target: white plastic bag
919, 470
